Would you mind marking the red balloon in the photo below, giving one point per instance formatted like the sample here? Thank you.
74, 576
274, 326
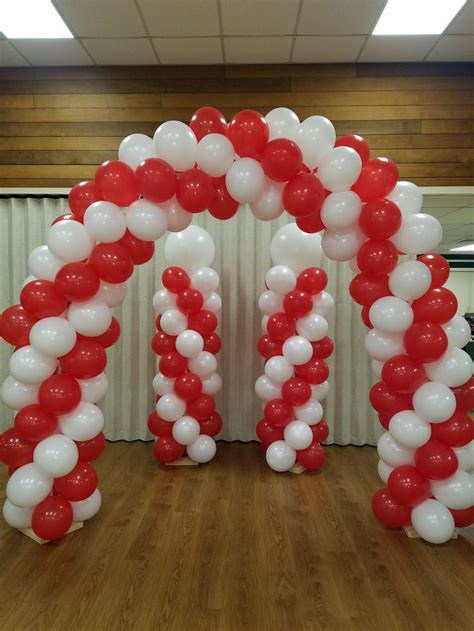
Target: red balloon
403, 374
78, 484
112, 262
187, 386
140, 251
439, 268
384, 420
268, 347
15, 451
267, 432
106, 339
204, 322
166, 449
314, 372
189, 300
385, 401
364, 314
41, 299
281, 159
438, 305
212, 343
463, 517
278, 412
357, 143
425, 341
377, 179
281, 326
222, 205
365, 289
59, 394
310, 223
91, 449
320, 431
86, 360
313, 280
296, 391
435, 460
173, 364
465, 395
380, 219
194, 191
156, 179
67, 216
163, 343
52, 518
208, 120
34, 424
312, 457
303, 195
159, 427
388, 511
15, 325
322, 349
201, 407
175, 279
457, 431
297, 303
77, 281
248, 132
212, 425
117, 183
377, 258
408, 486
81, 196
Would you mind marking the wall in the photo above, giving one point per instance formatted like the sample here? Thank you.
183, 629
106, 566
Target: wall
462, 284
57, 124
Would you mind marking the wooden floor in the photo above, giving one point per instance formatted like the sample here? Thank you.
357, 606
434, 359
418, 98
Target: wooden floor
234, 546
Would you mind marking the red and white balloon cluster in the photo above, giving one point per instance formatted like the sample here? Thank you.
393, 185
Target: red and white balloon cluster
185, 419
294, 345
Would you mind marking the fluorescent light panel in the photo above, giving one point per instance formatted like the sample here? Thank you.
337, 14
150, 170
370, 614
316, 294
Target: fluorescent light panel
464, 248
417, 17
31, 19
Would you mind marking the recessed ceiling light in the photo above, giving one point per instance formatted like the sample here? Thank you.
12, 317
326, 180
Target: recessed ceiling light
417, 17
31, 19
463, 248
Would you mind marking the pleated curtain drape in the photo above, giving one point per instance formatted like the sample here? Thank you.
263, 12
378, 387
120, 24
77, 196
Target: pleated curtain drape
242, 259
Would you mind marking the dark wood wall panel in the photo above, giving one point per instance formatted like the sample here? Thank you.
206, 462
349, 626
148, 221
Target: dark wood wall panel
58, 124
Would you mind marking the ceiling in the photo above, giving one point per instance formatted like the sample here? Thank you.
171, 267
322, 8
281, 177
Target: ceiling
455, 211
148, 32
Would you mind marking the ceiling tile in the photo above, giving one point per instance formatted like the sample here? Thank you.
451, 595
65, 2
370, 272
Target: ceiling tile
265, 17
9, 56
460, 216
380, 48
348, 17
121, 52
189, 50
53, 52
453, 48
258, 50
315, 49
463, 24
178, 18
102, 18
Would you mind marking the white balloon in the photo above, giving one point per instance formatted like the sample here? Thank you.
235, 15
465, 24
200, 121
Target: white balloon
202, 449
266, 389
339, 168
30, 365
27, 280
315, 137
189, 343
205, 280
454, 368
269, 302
170, 407
391, 315
393, 453
245, 180
455, 492
280, 279
113, 294
382, 346
162, 385
384, 470
323, 303
408, 197
212, 384
278, 369
203, 365
270, 203
164, 300
69, 240
465, 456
282, 123
56, 455
83, 423
17, 395
313, 327
410, 280
105, 222
310, 412
340, 211
280, 456
418, 233
297, 350
213, 302
146, 220
178, 218
297, 249
135, 148
342, 246
215, 154
85, 509
190, 249
186, 430
432, 521
16, 516
458, 331
320, 391
28, 486
434, 402
176, 143
298, 435
377, 367
409, 430
92, 317
173, 322
94, 389
53, 336
43, 264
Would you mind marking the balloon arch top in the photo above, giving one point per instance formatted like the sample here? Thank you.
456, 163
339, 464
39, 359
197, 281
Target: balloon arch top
346, 204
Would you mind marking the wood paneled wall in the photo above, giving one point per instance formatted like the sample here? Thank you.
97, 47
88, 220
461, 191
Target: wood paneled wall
58, 124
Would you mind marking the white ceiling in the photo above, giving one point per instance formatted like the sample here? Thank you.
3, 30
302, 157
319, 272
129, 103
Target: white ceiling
143, 32
456, 214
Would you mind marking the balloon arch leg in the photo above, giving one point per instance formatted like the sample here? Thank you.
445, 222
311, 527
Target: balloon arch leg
344, 201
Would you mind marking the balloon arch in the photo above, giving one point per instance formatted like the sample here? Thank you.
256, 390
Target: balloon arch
365, 216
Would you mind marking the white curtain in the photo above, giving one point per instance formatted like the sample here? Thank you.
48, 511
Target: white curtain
242, 259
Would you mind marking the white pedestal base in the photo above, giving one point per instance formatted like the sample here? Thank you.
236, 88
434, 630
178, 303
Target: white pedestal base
182, 462
412, 534
29, 532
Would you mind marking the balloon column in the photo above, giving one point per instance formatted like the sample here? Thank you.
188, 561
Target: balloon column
185, 419
294, 345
